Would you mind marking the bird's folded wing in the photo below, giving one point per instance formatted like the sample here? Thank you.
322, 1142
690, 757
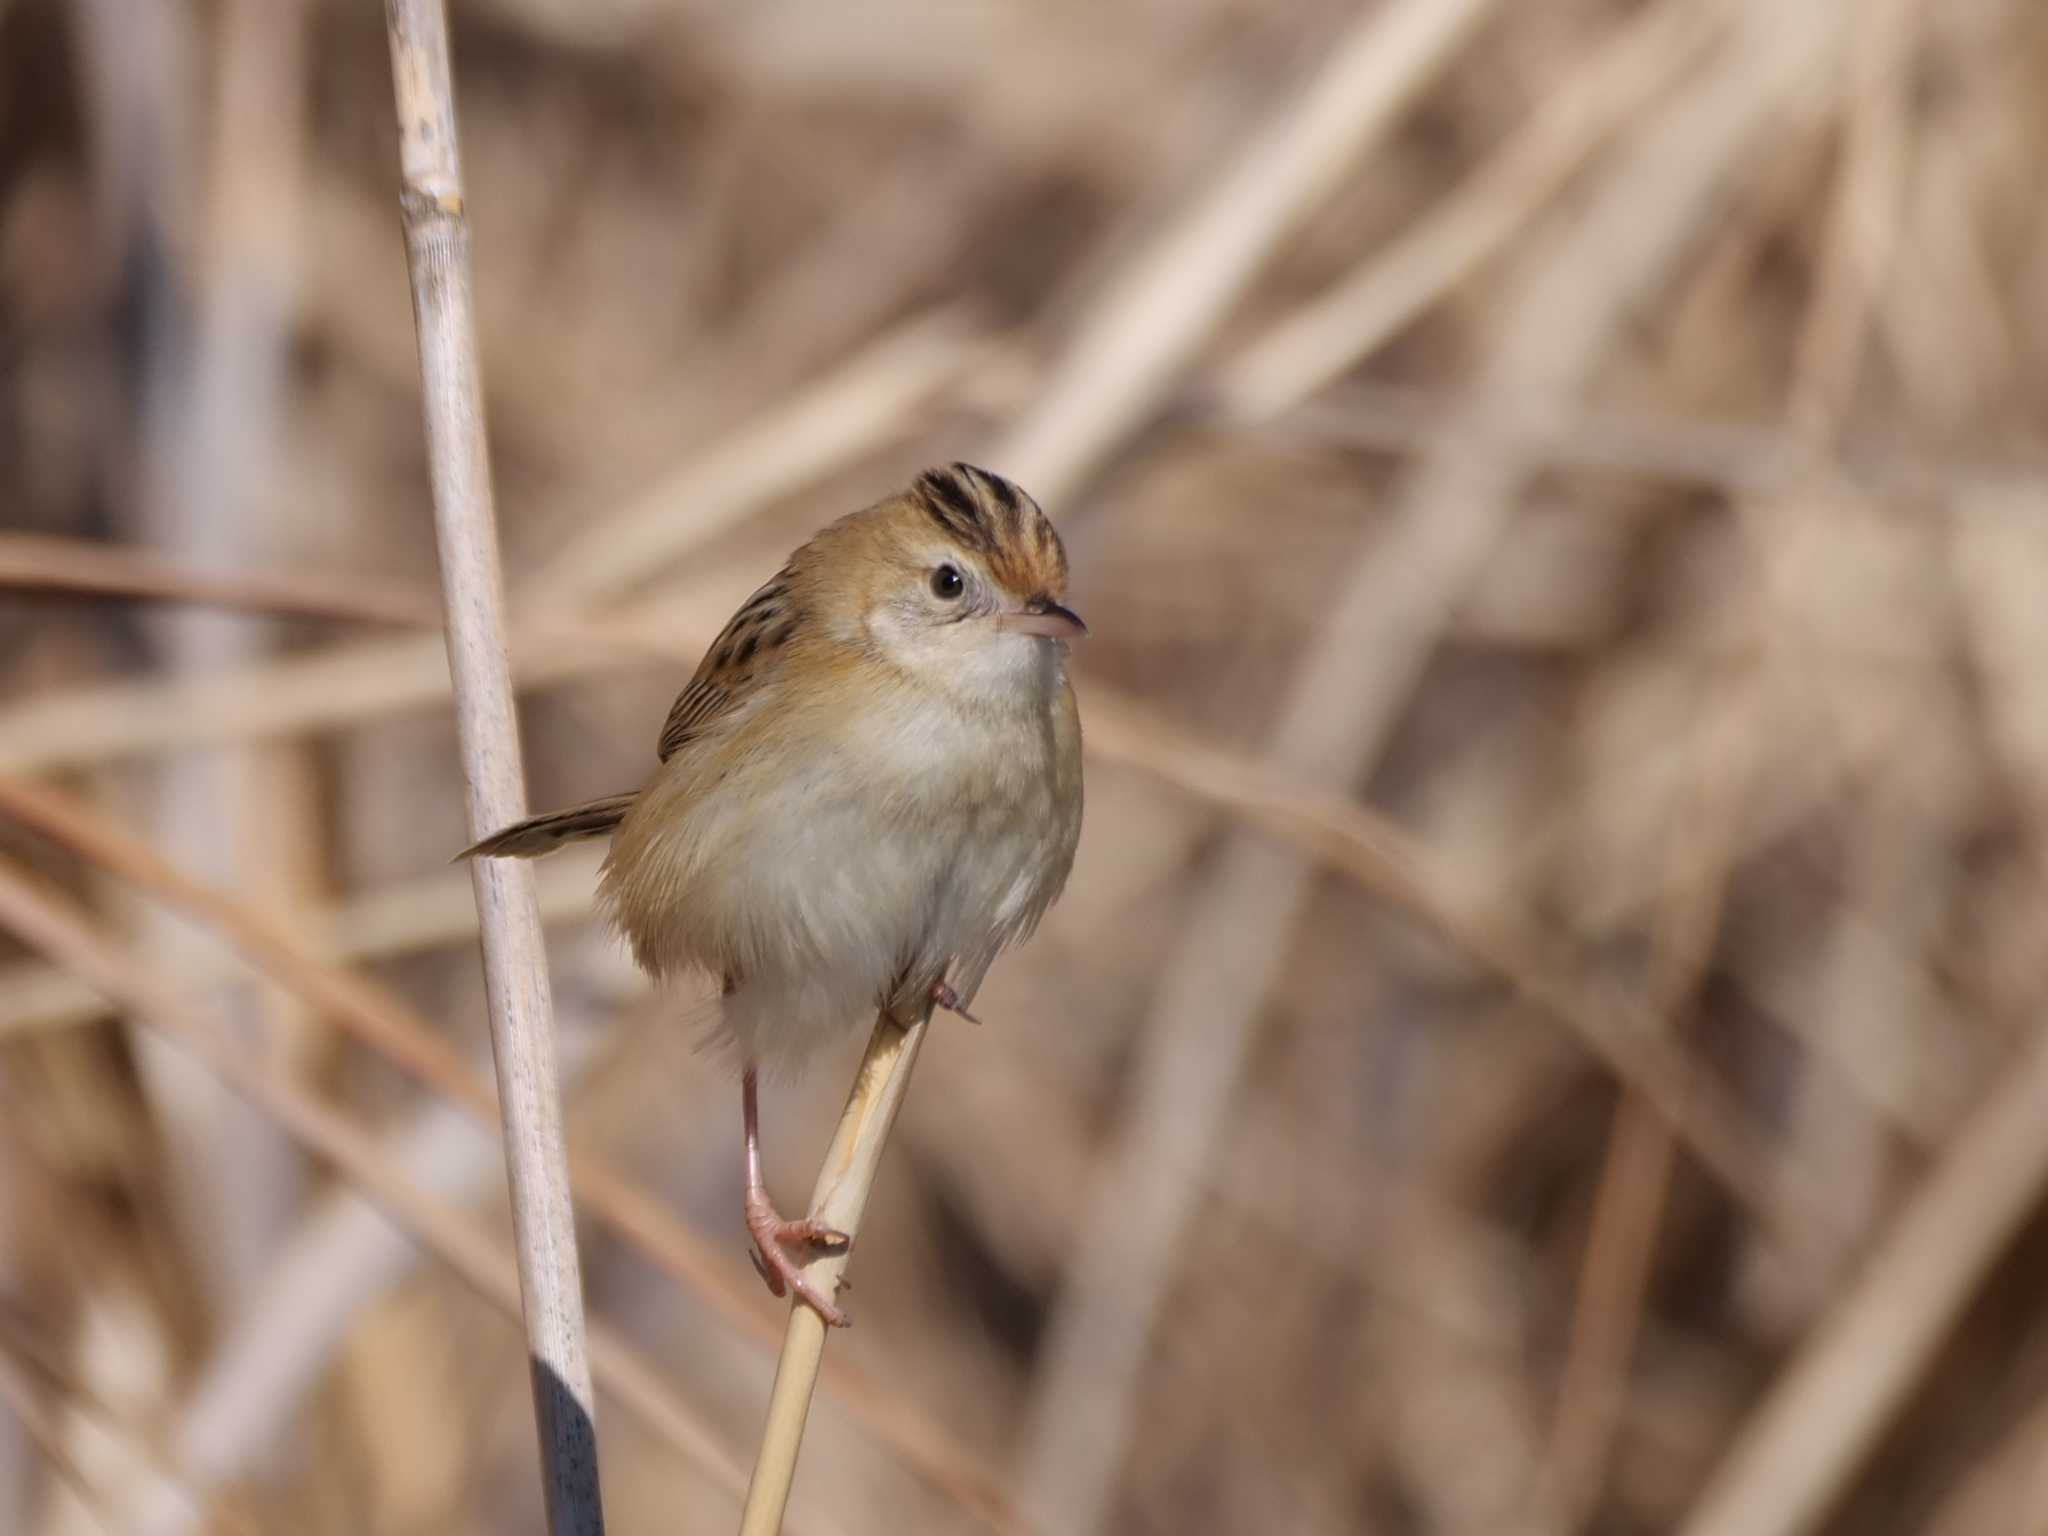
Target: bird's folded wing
737, 662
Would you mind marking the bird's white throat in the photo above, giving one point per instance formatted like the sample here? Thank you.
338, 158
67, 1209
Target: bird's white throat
973, 661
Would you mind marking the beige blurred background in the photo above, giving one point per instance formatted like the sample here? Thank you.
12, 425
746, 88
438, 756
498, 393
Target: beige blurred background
1544, 1033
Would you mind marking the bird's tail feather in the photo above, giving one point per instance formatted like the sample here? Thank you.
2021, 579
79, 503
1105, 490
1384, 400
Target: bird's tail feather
543, 834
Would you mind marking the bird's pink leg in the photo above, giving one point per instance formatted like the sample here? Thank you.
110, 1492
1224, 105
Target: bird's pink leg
770, 1231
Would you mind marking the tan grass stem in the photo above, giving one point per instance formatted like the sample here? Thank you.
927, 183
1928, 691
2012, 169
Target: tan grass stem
94, 568
838, 1200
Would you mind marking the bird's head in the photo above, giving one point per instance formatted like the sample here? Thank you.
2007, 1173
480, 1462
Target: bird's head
960, 579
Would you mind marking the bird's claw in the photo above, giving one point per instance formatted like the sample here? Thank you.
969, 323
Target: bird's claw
779, 1269
943, 996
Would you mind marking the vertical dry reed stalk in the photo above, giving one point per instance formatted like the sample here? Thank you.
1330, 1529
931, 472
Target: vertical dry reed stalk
515, 962
838, 1200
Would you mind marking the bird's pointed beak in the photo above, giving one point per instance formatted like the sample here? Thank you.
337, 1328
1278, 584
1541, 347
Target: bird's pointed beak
1043, 616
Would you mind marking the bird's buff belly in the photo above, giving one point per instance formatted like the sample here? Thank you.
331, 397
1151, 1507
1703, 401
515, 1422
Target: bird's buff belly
810, 919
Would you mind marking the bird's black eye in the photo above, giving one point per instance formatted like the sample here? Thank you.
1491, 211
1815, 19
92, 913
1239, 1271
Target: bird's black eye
946, 582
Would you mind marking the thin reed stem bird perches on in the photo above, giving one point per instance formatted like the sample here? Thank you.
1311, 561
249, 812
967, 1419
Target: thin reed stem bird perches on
870, 787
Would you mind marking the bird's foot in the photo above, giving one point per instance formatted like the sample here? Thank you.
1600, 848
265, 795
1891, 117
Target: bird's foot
943, 996
773, 1236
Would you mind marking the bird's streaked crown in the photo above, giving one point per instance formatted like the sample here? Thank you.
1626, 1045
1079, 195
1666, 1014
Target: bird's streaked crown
995, 519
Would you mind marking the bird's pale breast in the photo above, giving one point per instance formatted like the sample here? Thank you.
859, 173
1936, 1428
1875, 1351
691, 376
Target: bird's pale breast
841, 861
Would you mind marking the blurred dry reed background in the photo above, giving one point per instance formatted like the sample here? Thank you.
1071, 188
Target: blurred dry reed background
1545, 1032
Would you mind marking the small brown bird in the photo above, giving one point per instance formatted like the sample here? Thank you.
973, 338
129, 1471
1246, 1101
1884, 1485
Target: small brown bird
870, 787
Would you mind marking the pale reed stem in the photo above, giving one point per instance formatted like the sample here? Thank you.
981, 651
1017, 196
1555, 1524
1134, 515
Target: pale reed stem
515, 964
